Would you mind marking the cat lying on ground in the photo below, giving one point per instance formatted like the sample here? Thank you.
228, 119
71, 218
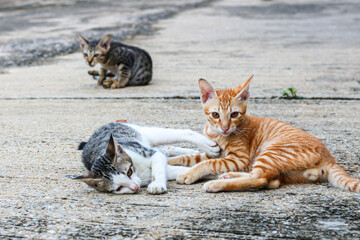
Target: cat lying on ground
121, 157
257, 152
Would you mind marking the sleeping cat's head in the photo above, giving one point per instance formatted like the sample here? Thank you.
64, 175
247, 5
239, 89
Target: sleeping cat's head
113, 172
94, 51
225, 109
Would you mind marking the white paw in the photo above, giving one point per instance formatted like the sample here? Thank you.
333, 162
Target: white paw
157, 188
209, 146
192, 152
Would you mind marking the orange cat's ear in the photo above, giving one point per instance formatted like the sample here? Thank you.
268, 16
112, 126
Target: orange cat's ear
206, 90
244, 94
105, 42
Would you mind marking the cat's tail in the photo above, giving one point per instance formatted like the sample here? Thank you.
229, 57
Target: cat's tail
82, 145
340, 179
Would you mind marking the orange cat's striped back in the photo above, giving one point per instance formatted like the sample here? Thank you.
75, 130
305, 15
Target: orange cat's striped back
258, 152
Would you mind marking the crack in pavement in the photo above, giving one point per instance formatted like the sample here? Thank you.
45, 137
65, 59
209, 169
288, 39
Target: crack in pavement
173, 97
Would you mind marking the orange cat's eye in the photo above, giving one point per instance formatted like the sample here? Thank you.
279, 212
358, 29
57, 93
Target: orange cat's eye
234, 114
130, 172
215, 115
96, 55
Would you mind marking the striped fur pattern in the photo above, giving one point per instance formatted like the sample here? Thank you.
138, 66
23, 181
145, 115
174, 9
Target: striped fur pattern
257, 152
121, 65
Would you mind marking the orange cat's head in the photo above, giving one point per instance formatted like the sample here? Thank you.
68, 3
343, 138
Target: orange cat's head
225, 109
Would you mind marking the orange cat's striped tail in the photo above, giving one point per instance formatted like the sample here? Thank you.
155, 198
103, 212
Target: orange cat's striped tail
340, 179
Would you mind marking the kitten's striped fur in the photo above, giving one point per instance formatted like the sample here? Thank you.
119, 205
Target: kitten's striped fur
121, 65
257, 152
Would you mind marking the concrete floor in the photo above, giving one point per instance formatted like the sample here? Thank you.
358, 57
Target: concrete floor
47, 110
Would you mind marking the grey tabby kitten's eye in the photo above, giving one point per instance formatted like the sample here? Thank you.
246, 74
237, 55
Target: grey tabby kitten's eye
234, 114
85, 55
215, 115
130, 172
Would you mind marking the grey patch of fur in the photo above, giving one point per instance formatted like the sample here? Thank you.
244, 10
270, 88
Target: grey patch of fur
124, 135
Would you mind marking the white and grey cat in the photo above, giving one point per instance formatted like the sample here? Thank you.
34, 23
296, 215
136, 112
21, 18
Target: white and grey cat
121, 157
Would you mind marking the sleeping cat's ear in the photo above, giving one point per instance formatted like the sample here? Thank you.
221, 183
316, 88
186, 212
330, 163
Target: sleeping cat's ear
83, 41
89, 179
206, 90
244, 93
121, 155
105, 42
111, 148
115, 151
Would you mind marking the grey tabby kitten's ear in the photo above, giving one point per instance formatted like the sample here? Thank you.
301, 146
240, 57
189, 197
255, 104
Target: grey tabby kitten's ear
83, 41
105, 42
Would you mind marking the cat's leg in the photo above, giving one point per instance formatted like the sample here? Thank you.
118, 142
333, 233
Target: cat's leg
230, 175
188, 160
123, 78
102, 76
174, 171
238, 163
158, 174
94, 73
108, 82
275, 183
252, 181
172, 151
235, 184
162, 136
267, 167
312, 175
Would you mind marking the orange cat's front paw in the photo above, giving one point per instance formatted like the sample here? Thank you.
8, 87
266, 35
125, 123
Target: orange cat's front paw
186, 178
230, 175
213, 186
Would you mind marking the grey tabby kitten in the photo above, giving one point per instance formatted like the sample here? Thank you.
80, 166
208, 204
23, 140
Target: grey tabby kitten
124, 65
120, 157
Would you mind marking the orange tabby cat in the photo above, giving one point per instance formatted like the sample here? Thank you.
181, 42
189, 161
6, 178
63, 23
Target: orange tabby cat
257, 152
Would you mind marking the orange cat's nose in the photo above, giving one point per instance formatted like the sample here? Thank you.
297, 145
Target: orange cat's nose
225, 128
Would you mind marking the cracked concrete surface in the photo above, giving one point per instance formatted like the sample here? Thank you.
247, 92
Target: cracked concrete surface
47, 110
